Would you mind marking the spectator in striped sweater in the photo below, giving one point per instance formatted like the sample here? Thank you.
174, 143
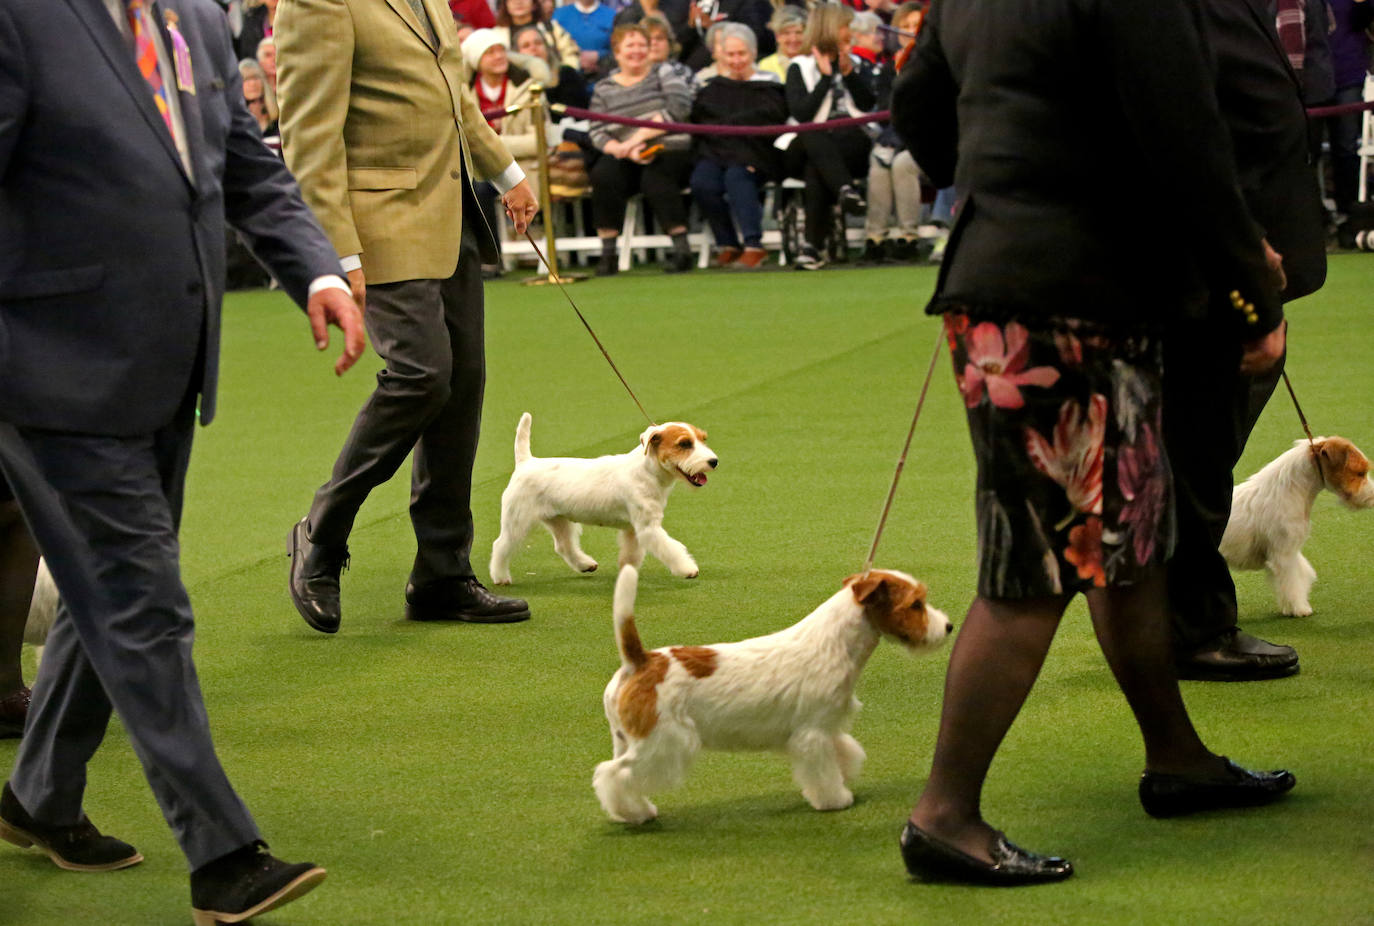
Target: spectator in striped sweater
640, 160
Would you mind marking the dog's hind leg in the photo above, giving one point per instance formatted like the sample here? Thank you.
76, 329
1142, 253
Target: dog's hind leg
618, 789
515, 526
565, 543
631, 553
1291, 577
816, 768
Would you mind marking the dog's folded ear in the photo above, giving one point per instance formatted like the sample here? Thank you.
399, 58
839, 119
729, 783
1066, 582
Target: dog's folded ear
652, 437
866, 585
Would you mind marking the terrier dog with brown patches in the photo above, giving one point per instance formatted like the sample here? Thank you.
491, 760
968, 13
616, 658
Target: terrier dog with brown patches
628, 491
1271, 513
791, 691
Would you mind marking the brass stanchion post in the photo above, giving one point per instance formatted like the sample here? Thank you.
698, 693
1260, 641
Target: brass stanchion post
545, 197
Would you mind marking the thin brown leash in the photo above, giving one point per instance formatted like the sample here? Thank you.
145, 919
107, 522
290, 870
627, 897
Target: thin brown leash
906, 448
553, 276
1311, 441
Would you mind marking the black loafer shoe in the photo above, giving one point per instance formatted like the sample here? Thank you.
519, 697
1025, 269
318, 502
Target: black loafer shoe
1236, 656
930, 859
462, 600
247, 882
14, 711
1176, 795
314, 581
75, 848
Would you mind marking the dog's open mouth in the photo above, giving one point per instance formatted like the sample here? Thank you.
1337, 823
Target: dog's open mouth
696, 479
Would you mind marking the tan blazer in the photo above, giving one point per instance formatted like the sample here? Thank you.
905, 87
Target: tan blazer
376, 124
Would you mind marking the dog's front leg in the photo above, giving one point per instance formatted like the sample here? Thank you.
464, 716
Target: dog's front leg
816, 769
670, 552
1291, 576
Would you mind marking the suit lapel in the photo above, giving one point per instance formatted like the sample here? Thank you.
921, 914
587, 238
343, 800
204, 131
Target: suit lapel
403, 10
96, 18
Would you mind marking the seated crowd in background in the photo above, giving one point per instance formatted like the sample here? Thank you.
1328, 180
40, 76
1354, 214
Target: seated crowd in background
715, 62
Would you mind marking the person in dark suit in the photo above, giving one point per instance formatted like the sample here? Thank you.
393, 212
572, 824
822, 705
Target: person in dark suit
1055, 300
125, 145
1260, 98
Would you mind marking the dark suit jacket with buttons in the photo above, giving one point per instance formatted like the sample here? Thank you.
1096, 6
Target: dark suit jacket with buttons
1096, 176
1261, 103
111, 257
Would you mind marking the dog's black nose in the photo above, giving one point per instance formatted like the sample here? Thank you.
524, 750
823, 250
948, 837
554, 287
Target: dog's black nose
949, 628
712, 462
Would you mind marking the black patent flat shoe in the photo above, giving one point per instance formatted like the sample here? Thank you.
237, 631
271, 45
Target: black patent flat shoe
1176, 795
929, 859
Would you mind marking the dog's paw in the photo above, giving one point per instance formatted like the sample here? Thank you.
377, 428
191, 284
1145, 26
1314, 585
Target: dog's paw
689, 571
831, 800
590, 566
500, 580
1297, 609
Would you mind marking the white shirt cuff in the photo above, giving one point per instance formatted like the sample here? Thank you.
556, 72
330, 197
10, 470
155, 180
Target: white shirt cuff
329, 281
351, 262
508, 178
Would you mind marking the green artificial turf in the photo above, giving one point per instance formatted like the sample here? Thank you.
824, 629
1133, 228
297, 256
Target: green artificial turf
443, 773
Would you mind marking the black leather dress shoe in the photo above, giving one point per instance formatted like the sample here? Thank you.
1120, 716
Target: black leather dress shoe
14, 710
75, 848
247, 882
930, 859
314, 582
1176, 795
462, 600
1236, 656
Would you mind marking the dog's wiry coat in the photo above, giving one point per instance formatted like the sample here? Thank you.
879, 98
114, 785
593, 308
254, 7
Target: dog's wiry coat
791, 691
1271, 514
628, 491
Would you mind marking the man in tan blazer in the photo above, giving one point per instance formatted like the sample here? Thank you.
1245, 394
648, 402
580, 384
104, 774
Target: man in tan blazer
385, 139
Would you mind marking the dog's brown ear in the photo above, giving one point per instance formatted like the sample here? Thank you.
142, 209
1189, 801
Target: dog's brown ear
1332, 451
701, 435
864, 585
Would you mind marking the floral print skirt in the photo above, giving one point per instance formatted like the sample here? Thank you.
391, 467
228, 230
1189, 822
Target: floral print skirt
1074, 489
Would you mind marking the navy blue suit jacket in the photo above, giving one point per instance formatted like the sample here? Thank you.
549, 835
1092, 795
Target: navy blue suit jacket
111, 257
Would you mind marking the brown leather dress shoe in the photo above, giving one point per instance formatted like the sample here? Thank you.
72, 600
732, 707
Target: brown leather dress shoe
1236, 656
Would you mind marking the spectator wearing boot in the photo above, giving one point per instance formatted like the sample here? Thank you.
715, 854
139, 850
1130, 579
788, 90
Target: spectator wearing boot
639, 160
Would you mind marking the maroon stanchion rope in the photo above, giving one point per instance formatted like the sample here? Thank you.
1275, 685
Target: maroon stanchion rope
692, 128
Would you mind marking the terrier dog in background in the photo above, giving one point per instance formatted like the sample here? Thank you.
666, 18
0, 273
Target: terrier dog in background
1271, 513
42, 610
791, 691
626, 490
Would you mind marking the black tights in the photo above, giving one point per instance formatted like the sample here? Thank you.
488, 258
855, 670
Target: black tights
995, 661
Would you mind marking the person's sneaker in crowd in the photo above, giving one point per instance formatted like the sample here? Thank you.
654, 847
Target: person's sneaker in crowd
247, 882
679, 262
14, 710
80, 847
902, 250
851, 201
608, 265
752, 258
808, 258
727, 256
874, 252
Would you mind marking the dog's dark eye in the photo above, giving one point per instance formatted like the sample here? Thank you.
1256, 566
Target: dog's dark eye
685, 444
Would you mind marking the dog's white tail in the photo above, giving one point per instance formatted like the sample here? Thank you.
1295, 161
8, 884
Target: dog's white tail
522, 439
632, 656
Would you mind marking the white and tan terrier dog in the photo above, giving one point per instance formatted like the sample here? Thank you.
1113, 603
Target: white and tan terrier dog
625, 490
1271, 513
791, 691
